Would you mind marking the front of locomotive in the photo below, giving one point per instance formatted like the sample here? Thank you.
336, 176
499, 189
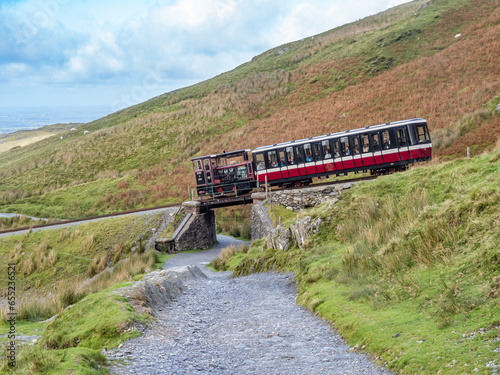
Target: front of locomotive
225, 174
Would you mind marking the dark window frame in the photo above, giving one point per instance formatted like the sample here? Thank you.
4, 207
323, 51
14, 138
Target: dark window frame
335, 145
299, 154
285, 159
317, 156
406, 136
355, 147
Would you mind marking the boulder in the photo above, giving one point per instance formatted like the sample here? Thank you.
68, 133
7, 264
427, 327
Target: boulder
159, 287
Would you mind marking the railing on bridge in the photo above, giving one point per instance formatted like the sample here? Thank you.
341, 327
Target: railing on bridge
234, 189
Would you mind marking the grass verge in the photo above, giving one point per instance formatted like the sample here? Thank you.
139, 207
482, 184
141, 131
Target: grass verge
406, 267
71, 272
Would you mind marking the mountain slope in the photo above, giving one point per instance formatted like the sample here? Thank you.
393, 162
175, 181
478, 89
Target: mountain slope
403, 63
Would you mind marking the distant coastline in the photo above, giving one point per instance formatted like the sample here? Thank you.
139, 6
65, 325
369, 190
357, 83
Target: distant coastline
15, 119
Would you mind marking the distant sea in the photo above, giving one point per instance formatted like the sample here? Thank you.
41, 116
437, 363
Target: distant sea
14, 119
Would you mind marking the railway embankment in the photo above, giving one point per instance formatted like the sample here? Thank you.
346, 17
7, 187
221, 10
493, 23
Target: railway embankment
406, 267
270, 212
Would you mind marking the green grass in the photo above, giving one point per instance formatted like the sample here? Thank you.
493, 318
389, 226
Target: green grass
100, 320
71, 275
73, 342
75, 248
277, 213
406, 267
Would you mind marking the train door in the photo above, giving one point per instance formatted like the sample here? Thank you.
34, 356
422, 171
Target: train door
356, 151
403, 140
273, 170
198, 171
310, 164
293, 169
327, 156
389, 148
282, 163
367, 150
337, 158
377, 148
300, 159
318, 157
345, 147
208, 171
260, 166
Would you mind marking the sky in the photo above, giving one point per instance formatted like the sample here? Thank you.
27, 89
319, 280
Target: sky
116, 53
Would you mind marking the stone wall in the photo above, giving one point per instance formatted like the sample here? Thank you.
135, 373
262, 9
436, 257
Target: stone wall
300, 199
197, 233
283, 238
261, 223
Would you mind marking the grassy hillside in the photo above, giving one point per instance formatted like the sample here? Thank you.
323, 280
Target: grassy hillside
406, 267
403, 63
71, 272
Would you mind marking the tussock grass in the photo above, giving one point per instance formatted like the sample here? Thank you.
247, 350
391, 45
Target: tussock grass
32, 306
19, 221
222, 262
58, 267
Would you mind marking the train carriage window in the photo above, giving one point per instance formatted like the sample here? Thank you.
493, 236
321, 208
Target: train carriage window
325, 145
206, 162
386, 139
344, 145
299, 154
401, 135
272, 159
259, 162
422, 133
317, 151
222, 161
355, 145
336, 148
375, 142
197, 165
365, 143
308, 152
282, 162
289, 155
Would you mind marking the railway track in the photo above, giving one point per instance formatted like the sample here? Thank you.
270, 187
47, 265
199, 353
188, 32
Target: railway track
64, 222
204, 201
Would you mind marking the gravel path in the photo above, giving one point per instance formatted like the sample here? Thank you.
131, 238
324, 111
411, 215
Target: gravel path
246, 325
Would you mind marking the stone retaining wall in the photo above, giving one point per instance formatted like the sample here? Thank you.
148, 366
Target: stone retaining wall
261, 223
300, 199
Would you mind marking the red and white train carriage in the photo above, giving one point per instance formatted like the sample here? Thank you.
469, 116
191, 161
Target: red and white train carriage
380, 149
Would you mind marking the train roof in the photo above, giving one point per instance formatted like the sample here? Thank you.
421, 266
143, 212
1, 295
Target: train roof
231, 154
339, 134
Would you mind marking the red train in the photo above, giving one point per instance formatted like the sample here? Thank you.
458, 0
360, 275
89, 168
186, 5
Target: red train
379, 149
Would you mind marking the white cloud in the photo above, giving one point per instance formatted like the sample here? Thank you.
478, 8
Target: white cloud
111, 46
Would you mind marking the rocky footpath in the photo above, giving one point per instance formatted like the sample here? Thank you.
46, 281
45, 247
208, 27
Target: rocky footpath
222, 325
